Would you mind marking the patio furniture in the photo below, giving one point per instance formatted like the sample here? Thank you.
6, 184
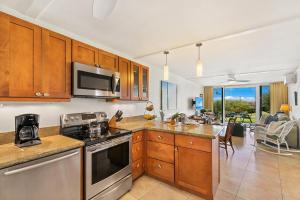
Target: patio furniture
226, 140
276, 133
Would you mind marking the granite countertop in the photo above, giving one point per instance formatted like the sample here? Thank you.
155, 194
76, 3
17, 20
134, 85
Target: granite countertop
201, 130
11, 155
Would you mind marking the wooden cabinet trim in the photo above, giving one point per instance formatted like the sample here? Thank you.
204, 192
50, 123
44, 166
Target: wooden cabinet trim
65, 82
125, 78
161, 137
77, 57
161, 170
137, 136
160, 151
193, 142
105, 57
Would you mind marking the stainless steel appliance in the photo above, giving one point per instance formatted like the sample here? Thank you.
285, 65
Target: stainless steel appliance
27, 130
94, 82
107, 154
52, 177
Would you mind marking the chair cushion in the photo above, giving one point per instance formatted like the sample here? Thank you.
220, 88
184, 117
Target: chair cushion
274, 125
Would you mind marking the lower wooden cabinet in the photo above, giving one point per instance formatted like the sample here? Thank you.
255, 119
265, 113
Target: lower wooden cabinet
160, 151
189, 162
193, 169
137, 151
160, 169
137, 168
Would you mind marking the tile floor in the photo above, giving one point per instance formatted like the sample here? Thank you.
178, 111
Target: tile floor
245, 175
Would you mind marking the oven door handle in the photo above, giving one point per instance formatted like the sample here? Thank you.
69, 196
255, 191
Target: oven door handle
100, 147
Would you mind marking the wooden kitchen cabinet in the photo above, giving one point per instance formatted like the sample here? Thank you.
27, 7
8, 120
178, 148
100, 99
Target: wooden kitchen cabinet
84, 53
139, 82
161, 170
56, 65
137, 154
108, 61
20, 57
193, 169
197, 164
125, 79
144, 83
135, 81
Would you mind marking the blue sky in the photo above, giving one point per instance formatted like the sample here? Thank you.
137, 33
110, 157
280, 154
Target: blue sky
244, 93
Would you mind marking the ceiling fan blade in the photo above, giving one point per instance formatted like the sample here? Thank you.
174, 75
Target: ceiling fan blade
244, 81
103, 8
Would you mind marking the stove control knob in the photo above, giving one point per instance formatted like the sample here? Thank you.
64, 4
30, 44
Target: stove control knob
72, 118
66, 120
77, 118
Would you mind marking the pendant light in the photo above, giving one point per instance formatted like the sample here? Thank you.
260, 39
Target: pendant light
166, 67
199, 66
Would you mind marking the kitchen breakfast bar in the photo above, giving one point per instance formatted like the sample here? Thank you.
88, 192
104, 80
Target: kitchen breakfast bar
186, 156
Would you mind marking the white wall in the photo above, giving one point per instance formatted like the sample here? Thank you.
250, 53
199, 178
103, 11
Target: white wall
50, 112
291, 89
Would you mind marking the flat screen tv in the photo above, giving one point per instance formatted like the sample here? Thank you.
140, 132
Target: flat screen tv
199, 103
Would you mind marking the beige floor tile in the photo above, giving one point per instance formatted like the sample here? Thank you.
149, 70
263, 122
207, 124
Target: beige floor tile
194, 197
223, 195
164, 192
127, 197
143, 185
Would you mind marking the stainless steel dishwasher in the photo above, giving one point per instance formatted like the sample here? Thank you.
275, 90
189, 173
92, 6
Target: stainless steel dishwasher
55, 177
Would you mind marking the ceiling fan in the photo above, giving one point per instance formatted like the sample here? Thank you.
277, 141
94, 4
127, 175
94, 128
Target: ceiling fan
103, 8
232, 79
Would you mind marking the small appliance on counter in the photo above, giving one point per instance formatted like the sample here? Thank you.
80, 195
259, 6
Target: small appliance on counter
27, 130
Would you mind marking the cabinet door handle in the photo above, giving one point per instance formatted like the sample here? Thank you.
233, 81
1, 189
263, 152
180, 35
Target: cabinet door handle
38, 94
46, 94
138, 165
159, 137
191, 142
176, 149
159, 166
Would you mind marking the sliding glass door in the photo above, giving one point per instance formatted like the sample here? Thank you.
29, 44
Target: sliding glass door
218, 103
264, 100
240, 103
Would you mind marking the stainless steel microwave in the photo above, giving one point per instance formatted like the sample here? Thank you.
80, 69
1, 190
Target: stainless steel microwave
94, 82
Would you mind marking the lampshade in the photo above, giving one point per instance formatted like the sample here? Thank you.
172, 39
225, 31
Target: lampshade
199, 68
166, 72
284, 108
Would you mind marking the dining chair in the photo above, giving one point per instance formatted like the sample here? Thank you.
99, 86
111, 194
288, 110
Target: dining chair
226, 140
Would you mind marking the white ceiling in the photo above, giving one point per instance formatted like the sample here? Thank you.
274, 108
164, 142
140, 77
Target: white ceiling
140, 27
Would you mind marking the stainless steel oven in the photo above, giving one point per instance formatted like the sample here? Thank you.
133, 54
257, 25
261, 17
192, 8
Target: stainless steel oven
94, 82
108, 169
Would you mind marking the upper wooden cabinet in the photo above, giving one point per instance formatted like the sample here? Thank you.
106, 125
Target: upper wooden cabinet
139, 82
84, 53
145, 83
20, 57
135, 81
124, 69
108, 61
34, 63
56, 65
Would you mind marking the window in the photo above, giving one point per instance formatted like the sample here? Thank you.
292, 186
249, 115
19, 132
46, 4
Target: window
264, 100
218, 102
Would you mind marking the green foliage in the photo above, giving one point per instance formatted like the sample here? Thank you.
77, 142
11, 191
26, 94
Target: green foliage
266, 102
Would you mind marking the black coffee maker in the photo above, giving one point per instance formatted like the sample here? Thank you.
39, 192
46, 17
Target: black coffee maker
27, 130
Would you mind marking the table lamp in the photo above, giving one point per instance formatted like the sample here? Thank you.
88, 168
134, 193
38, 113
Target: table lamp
284, 108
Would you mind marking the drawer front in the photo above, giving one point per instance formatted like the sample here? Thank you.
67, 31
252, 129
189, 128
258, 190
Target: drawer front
160, 169
193, 142
137, 168
160, 151
161, 137
137, 151
138, 136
